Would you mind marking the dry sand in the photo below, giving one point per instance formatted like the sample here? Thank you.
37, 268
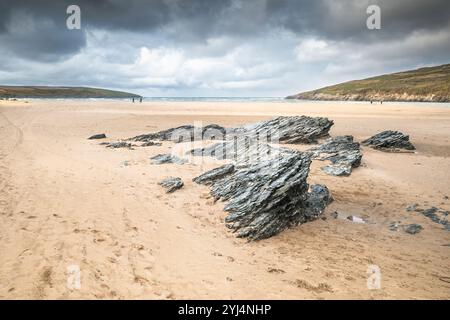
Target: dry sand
66, 200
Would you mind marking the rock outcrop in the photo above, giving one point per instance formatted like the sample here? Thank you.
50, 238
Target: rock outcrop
298, 129
171, 184
343, 153
393, 141
268, 197
167, 158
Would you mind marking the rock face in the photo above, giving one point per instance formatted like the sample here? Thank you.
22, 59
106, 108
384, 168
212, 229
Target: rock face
268, 197
298, 129
97, 136
389, 141
167, 158
343, 153
171, 184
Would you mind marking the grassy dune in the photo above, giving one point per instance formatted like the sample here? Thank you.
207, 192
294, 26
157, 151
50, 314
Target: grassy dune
430, 84
60, 92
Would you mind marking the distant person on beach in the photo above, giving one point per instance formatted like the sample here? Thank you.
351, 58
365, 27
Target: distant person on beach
133, 100
371, 101
140, 100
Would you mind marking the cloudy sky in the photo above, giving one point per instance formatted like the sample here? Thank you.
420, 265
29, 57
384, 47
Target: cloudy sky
217, 48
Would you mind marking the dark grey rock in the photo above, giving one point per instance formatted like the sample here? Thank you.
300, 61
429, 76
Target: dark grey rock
151, 143
242, 150
298, 129
97, 136
209, 177
120, 144
343, 153
389, 141
412, 207
394, 225
167, 158
319, 197
337, 170
171, 184
267, 197
292, 130
436, 215
412, 228
185, 133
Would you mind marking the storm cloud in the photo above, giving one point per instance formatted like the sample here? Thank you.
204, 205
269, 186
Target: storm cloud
210, 48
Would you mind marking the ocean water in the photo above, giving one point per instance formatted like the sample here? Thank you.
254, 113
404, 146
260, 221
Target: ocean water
253, 99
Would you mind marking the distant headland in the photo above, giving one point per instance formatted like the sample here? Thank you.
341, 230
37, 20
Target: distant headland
431, 84
7, 92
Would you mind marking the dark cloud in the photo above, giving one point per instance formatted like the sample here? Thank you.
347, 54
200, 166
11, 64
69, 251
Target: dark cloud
196, 20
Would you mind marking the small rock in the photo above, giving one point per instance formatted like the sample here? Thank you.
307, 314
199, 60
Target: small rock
151, 143
412, 228
97, 136
412, 207
389, 141
171, 184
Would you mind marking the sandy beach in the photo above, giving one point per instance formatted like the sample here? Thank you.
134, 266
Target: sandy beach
66, 200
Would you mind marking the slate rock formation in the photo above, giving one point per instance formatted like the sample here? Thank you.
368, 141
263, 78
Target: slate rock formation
297, 129
343, 153
167, 158
151, 144
293, 130
268, 197
171, 184
120, 144
97, 136
393, 141
185, 133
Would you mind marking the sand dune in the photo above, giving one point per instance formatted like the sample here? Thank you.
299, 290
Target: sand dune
66, 200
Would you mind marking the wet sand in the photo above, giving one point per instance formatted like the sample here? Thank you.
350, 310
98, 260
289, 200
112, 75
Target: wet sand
66, 200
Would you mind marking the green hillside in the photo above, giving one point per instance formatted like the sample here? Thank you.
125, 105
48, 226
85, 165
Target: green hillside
430, 84
60, 92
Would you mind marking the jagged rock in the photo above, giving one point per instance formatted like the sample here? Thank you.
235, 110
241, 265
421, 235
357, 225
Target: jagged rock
267, 197
171, 184
412, 228
120, 144
242, 150
389, 141
185, 133
167, 158
209, 177
343, 153
319, 197
97, 136
151, 143
298, 129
